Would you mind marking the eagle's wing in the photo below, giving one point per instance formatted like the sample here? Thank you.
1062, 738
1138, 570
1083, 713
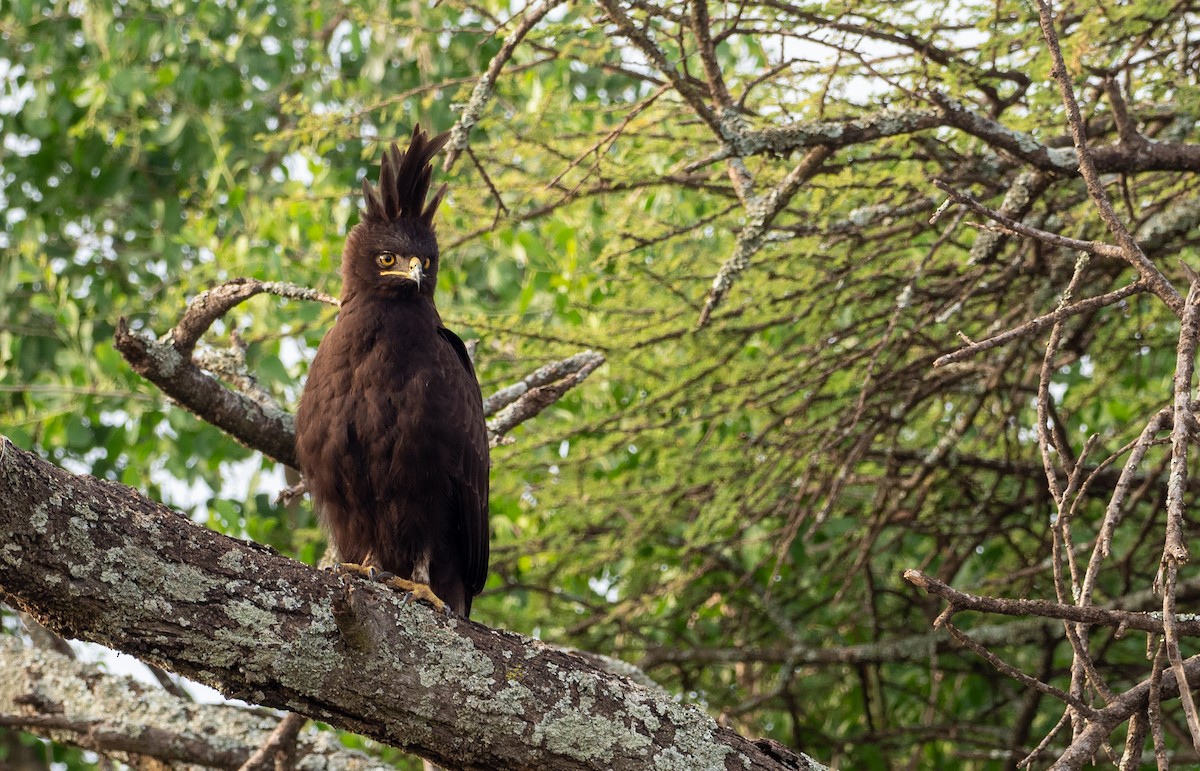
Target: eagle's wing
470, 483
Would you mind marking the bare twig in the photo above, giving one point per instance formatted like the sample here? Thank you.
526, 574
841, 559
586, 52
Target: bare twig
1175, 550
1033, 326
1155, 280
1091, 615
1016, 674
1126, 129
1046, 438
1019, 228
1113, 512
278, 752
1154, 707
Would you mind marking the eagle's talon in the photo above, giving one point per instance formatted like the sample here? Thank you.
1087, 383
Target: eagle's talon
352, 568
415, 591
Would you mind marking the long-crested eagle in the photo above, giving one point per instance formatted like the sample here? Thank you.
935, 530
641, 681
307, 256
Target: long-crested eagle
390, 431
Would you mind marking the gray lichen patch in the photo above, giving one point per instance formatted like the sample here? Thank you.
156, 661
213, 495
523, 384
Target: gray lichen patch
39, 518
693, 740
187, 584
232, 560
11, 553
641, 711
513, 699
589, 738
458, 661
250, 619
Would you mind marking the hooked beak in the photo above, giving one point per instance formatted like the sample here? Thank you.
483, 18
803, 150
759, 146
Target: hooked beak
414, 272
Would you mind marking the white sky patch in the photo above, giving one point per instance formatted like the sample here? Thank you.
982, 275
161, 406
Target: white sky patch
22, 145
244, 479
298, 168
605, 586
124, 665
13, 92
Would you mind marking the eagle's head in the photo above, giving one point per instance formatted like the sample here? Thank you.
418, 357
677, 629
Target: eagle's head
392, 252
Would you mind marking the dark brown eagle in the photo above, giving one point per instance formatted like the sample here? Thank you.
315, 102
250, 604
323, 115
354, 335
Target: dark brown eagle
390, 431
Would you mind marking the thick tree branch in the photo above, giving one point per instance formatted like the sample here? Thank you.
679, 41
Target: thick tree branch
98, 561
51, 695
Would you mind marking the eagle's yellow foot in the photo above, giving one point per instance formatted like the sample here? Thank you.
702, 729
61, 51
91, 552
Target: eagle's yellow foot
342, 568
413, 591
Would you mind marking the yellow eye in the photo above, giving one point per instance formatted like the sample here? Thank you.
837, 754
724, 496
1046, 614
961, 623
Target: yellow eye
425, 265
386, 259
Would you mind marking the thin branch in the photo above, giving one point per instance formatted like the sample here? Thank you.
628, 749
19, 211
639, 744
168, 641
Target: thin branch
1155, 280
212, 304
1091, 615
1113, 511
686, 88
1175, 550
484, 87
1019, 228
1033, 326
1127, 131
523, 400
1016, 674
761, 212
279, 750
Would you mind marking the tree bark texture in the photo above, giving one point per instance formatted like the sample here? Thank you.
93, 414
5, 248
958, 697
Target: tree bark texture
77, 703
98, 561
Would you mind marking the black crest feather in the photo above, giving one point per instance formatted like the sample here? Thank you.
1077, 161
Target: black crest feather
404, 179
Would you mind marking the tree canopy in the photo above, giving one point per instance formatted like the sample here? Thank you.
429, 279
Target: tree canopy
891, 446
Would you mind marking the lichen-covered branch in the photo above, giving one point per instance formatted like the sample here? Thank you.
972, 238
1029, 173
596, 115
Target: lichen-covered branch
460, 134
762, 212
271, 432
514, 404
250, 416
97, 561
211, 304
168, 362
48, 694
